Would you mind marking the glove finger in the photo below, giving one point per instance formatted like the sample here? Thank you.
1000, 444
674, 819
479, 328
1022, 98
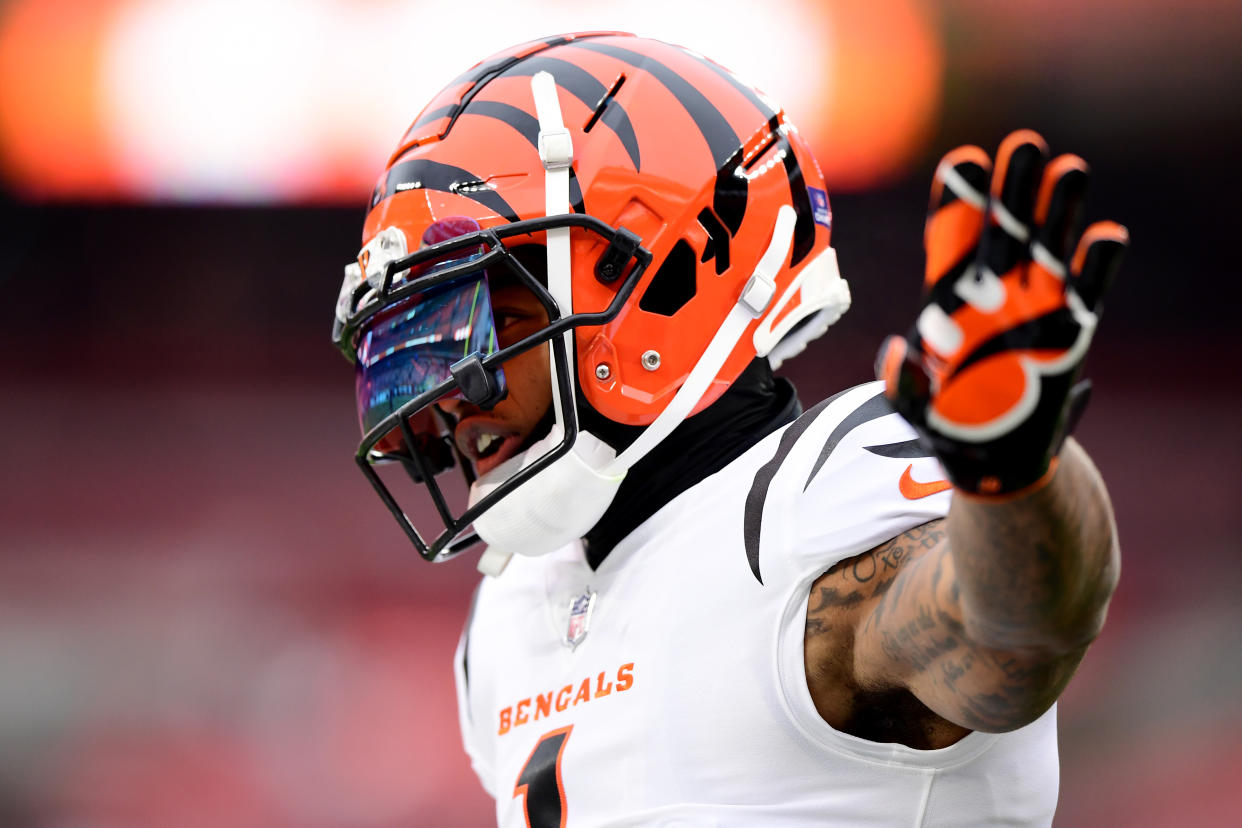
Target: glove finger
888, 363
1058, 212
955, 213
906, 383
1097, 260
1019, 166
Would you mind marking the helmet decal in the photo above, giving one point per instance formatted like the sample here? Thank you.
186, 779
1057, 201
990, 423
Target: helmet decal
424, 174
804, 230
444, 108
766, 108
717, 246
589, 90
713, 125
516, 117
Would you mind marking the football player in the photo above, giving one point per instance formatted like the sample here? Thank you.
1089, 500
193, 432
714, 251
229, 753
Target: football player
702, 605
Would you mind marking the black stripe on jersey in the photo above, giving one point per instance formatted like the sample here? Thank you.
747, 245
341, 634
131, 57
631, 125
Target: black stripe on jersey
906, 450
720, 137
872, 409
465, 650
587, 88
422, 174
752, 516
804, 227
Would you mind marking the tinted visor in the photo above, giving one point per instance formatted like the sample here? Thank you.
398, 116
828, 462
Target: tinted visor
407, 349
409, 330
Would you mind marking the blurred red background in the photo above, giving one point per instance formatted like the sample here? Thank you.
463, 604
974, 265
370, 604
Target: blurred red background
207, 618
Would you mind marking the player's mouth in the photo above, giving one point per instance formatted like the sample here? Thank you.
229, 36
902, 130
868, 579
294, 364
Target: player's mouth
486, 443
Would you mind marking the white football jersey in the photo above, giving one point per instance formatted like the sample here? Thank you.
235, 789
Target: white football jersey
667, 687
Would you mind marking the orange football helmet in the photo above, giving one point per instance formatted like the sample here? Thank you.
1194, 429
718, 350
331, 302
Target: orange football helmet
687, 230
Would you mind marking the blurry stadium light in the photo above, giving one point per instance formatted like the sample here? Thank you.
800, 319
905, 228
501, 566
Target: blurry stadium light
218, 98
51, 126
887, 65
302, 100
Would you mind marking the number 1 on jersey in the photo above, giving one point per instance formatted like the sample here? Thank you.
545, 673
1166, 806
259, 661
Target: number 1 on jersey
540, 784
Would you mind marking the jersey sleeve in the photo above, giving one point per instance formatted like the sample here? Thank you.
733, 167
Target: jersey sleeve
861, 478
855, 477
474, 737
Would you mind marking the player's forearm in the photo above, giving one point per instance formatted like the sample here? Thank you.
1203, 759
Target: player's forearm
1037, 571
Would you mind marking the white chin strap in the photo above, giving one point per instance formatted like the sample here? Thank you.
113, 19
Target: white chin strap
561, 503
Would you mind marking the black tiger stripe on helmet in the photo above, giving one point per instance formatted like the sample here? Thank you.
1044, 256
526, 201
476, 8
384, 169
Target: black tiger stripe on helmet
425, 174
589, 90
731, 193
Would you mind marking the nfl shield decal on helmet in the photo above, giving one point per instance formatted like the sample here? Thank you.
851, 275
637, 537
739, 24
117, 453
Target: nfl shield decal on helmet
580, 608
820, 210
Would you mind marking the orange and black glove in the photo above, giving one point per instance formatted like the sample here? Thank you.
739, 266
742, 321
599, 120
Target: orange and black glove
988, 374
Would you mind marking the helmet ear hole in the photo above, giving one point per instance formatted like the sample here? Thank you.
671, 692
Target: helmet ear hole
673, 284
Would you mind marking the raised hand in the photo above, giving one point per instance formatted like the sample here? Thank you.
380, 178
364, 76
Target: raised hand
988, 374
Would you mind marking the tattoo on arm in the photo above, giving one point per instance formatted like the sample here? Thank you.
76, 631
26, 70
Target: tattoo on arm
913, 636
816, 626
1037, 571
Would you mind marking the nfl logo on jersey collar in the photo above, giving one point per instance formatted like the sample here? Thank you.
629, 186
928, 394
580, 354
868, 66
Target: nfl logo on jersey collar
580, 609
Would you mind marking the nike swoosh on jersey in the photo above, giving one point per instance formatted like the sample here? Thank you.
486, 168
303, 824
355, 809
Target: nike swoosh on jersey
912, 489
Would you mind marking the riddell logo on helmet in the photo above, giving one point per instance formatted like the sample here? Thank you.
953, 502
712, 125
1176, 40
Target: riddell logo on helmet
561, 700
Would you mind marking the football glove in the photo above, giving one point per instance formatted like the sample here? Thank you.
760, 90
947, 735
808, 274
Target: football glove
989, 373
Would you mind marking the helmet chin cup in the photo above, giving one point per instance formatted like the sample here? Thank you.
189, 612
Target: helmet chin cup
557, 506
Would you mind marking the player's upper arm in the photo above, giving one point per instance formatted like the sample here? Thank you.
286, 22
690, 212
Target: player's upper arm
910, 635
